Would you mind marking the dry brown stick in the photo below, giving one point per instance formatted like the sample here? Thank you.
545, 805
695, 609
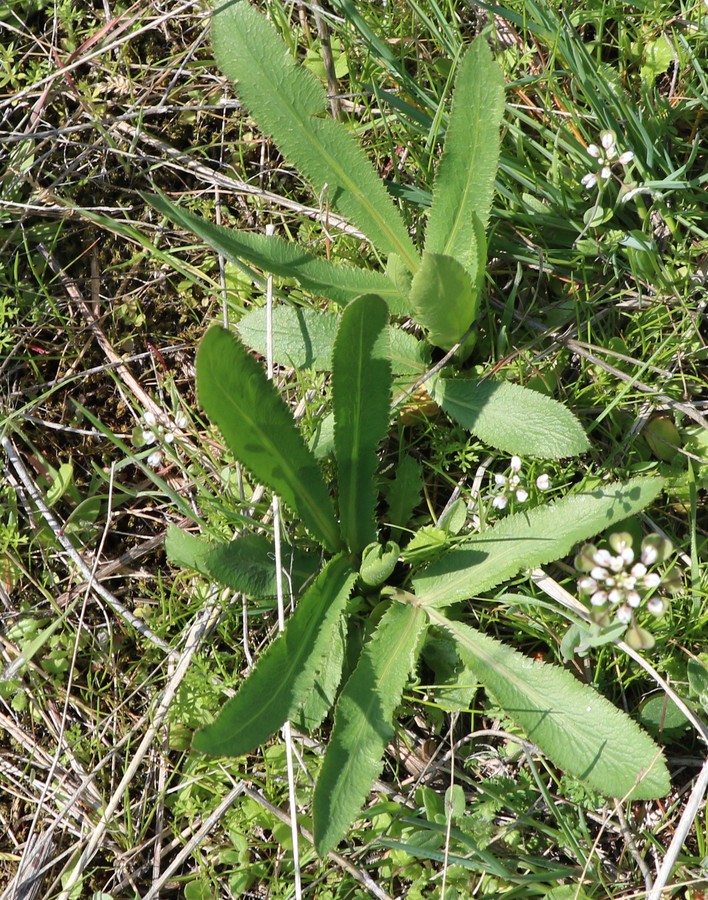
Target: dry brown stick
328, 62
586, 351
685, 408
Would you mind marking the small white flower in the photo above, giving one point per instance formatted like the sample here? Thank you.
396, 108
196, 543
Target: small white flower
603, 558
624, 615
543, 482
627, 555
181, 421
500, 480
169, 437
500, 502
149, 437
149, 419
607, 156
617, 584
154, 459
515, 464
656, 606
633, 599
650, 554
616, 564
521, 495
599, 598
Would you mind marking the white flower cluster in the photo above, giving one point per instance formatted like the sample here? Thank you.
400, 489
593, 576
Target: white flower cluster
607, 156
617, 584
515, 485
154, 432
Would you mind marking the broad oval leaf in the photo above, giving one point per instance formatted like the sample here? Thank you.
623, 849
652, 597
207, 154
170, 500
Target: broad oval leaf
259, 429
304, 338
444, 299
186, 549
361, 394
512, 418
464, 184
290, 105
363, 723
528, 539
246, 564
284, 675
287, 259
577, 728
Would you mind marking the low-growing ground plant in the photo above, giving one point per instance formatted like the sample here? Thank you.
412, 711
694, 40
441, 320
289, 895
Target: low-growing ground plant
390, 597
371, 592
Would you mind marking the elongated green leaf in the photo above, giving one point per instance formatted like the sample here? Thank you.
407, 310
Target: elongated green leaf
577, 728
529, 539
512, 418
285, 673
324, 689
259, 429
286, 259
464, 186
304, 338
362, 723
288, 103
187, 549
361, 392
403, 493
444, 299
246, 564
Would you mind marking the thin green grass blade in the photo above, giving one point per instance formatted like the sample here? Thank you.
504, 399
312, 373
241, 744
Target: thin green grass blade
529, 539
577, 728
464, 185
381, 52
512, 418
363, 723
286, 259
285, 673
259, 429
288, 103
361, 392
